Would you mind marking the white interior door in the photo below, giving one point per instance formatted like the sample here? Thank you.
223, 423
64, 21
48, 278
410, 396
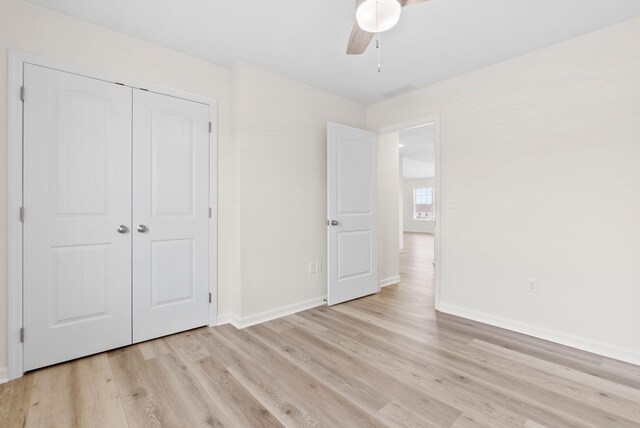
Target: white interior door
77, 191
352, 170
170, 215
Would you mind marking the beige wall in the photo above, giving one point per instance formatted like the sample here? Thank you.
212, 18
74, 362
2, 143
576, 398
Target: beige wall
534, 150
388, 202
409, 224
281, 132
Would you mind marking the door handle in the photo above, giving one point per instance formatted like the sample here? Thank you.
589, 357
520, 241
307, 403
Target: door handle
122, 229
142, 228
334, 222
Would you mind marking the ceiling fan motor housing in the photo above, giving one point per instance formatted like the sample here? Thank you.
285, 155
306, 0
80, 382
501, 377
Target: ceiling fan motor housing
376, 16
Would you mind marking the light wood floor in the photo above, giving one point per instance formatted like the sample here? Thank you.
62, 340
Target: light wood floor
384, 360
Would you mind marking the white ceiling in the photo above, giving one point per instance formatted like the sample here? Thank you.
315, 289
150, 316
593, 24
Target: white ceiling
418, 152
306, 39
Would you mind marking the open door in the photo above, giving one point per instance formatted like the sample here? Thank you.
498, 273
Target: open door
352, 198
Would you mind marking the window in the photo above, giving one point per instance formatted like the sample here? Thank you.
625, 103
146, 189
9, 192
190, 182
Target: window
423, 203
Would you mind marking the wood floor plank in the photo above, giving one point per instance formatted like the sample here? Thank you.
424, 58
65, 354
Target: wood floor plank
154, 348
14, 401
278, 325
466, 421
220, 349
188, 345
186, 396
288, 412
235, 402
80, 394
394, 414
144, 401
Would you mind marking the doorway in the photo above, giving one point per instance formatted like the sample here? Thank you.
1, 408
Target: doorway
414, 226
372, 165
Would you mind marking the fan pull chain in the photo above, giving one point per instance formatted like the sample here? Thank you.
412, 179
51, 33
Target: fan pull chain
378, 36
378, 50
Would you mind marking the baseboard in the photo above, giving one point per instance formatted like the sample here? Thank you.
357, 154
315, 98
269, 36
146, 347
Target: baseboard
283, 311
225, 319
390, 281
418, 231
3, 375
583, 344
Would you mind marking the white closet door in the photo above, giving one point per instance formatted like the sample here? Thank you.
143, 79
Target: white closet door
170, 215
352, 177
77, 191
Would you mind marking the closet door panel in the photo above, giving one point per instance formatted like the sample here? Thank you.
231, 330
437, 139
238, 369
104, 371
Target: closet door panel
170, 214
77, 191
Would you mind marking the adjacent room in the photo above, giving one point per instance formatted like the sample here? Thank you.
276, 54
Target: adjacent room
417, 189
334, 213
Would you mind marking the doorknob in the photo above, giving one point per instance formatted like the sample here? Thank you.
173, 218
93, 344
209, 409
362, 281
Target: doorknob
122, 229
142, 228
334, 222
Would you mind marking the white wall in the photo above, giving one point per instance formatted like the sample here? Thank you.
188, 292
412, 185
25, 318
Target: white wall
388, 202
281, 131
410, 224
536, 149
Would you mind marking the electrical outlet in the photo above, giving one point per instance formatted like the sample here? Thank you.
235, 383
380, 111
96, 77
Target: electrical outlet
533, 285
315, 267
454, 204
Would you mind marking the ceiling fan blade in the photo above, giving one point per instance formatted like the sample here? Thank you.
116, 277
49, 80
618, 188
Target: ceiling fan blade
411, 2
358, 41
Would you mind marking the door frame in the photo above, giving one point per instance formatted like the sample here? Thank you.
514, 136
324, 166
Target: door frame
16, 61
419, 121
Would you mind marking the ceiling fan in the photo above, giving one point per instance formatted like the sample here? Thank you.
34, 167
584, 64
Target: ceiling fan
374, 16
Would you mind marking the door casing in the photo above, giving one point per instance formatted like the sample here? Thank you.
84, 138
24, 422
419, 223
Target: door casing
17, 60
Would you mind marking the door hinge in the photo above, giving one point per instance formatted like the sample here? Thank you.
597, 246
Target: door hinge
210, 212
22, 335
22, 93
210, 127
21, 214
210, 297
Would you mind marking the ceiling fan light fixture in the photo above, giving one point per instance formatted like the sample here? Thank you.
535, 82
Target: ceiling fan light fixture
376, 16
